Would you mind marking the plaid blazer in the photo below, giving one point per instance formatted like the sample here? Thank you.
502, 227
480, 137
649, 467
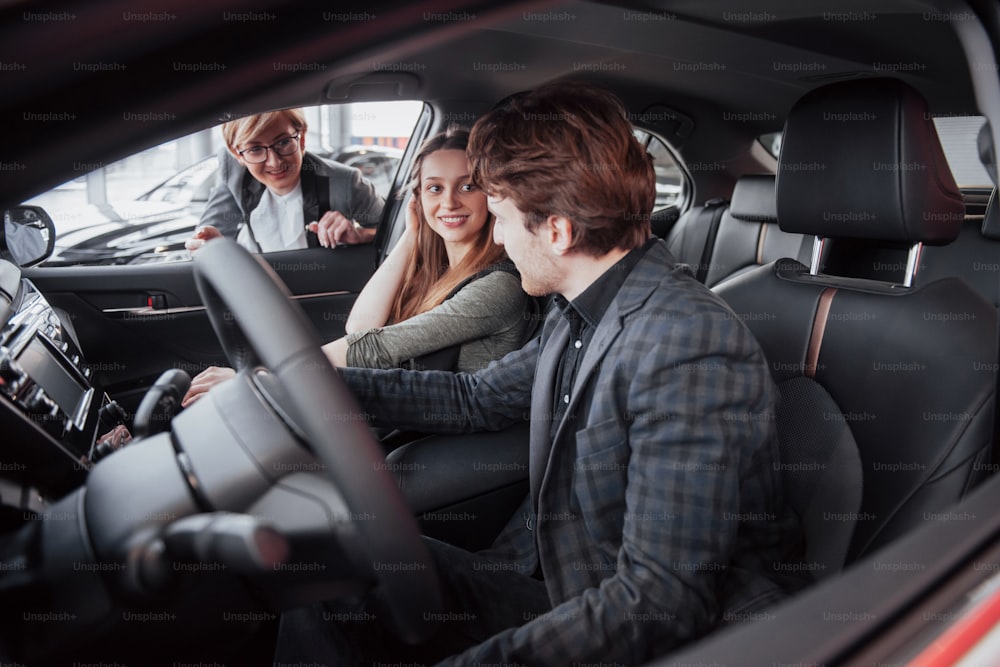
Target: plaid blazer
663, 514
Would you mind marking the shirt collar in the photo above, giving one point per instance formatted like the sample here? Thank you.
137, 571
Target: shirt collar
592, 303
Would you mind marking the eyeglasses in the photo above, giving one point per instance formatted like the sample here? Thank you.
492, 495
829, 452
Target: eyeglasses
258, 154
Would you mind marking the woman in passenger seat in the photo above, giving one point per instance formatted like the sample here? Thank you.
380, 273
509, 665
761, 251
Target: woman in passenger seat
446, 297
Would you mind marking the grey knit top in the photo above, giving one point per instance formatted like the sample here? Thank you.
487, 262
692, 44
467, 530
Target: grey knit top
487, 317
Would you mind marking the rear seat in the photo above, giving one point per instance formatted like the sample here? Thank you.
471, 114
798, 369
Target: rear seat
749, 235
746, 234
974, 256
692, 237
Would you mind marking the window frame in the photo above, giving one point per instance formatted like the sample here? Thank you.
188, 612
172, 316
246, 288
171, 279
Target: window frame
687, 182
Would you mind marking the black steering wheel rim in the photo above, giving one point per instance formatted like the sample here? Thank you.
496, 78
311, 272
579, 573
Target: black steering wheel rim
256, 322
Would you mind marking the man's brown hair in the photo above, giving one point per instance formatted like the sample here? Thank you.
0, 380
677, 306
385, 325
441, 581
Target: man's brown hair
567, 149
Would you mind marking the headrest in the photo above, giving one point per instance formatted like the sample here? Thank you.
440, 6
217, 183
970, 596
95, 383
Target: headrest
753, 199
991, 221
861, 159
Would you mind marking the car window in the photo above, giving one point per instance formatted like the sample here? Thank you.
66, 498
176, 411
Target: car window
772, 142
141, 209
672, 186
958, 136
191, 184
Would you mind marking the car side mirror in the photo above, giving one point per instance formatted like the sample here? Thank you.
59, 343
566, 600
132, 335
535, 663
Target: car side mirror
28, 235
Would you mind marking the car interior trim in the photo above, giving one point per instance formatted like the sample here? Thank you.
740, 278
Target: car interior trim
991, 219
818, 330
760, 243
912, 263
817, 254
146, 311
959, 639
79, 418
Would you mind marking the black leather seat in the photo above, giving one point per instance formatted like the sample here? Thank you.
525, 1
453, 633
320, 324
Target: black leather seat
901, 365
745, 234
974, 256
692, 238
749, 235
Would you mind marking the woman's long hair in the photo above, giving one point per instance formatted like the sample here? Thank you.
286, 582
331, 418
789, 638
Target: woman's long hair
428, 279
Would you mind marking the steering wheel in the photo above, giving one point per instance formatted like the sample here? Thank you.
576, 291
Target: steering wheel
257, 323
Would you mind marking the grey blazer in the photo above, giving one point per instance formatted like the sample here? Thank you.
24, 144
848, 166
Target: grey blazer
661, 513
326, 186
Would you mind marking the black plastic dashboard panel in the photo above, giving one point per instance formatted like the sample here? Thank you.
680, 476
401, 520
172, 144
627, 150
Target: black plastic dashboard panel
48, 405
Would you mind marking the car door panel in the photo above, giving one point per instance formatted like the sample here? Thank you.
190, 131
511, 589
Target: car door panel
134, 322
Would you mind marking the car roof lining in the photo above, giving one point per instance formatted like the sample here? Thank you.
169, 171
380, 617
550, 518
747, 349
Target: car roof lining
584, 48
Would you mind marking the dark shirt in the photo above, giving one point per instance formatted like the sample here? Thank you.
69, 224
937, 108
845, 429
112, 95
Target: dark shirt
584, 313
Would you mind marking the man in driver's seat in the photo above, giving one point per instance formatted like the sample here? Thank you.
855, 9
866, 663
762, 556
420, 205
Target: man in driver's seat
656, 508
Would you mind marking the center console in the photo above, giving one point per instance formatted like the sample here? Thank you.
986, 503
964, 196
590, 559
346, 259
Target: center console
51, 411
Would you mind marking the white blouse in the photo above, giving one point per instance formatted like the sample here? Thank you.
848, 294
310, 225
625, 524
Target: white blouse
277, 223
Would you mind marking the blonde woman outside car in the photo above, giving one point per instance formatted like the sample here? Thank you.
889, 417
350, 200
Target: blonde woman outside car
271, 194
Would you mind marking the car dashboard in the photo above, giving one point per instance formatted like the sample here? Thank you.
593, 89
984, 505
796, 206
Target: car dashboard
52, 412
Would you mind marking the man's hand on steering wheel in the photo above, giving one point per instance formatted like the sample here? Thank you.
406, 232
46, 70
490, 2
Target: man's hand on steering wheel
204, 381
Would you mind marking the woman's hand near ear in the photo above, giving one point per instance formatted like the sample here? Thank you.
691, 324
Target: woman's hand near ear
374, 304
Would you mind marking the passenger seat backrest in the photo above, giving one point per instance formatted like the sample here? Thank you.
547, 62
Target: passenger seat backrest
897, 362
